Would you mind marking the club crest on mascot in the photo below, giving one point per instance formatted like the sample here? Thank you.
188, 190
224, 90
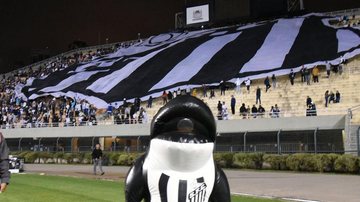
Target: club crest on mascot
179, 164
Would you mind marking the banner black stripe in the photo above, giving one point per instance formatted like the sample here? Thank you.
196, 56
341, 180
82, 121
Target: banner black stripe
152, 71
315, 41
227, 63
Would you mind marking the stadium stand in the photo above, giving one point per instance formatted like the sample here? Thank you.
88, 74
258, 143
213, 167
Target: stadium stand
291, 100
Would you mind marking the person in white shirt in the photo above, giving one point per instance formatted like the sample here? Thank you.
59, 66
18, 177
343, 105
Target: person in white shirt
224, 112
238, 86
247, 83
328, 68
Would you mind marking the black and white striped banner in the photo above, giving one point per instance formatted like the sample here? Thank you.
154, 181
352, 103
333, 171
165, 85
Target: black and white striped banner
172, 60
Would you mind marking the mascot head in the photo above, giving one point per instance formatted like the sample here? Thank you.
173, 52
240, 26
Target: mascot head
185, 119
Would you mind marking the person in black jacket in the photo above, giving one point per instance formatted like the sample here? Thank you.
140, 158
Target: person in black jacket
97, 158
267, 84
4, 164
292, 77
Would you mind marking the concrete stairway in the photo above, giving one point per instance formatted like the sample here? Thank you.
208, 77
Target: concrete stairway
292, 99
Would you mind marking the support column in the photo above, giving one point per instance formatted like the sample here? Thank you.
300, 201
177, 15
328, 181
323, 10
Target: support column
315, 140
278, 142
93, 143
39, 144
57, 144
19, 145
138, 144
245, 141
358, 141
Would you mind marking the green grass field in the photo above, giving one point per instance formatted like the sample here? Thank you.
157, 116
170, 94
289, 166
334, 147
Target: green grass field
37, 188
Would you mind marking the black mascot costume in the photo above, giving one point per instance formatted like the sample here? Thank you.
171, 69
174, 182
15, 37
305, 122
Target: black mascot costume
179, 164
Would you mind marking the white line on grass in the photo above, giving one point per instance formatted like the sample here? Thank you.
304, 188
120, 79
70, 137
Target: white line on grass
273, 197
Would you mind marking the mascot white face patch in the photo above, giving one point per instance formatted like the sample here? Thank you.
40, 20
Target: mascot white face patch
180, 172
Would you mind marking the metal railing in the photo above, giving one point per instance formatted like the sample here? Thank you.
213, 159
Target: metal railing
285, 148
354, 11
297, 113
285, 114
64, 124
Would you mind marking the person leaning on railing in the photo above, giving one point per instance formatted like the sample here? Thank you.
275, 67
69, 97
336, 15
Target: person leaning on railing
4, 164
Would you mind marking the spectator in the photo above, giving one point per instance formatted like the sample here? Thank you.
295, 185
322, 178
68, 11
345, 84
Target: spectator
222, 87
243, 111
248, 111
315, 73
247, 84
109, 109
4, 164
178, 92
164, 97
340, 68
188, 90
204, 89
258, 95
302, 72
219, 107
331, 97
326, 98
174, 94
272, 112
194, 92
267, 84
273, 79
212, 93
143, 118
261, 111
307, 76
254, 111
224, 112
308, 101
149, 102
238, 86
137, 103
328, 69
277, 111
233, 103
292, 77
170, 95
337, 97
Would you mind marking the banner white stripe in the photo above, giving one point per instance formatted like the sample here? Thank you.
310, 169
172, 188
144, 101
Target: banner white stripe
192, 64
275, 47
81, 76
106, 83
347, 40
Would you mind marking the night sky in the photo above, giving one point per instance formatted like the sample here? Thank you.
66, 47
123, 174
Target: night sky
29, 25
51, 25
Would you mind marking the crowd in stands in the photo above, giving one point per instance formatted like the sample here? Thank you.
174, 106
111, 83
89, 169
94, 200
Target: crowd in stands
45, 110
74, 111
129, 113
347, 21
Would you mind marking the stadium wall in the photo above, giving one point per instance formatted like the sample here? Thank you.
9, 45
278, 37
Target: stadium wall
331, 122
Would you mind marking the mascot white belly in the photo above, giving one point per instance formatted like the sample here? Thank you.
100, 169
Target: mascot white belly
173, 166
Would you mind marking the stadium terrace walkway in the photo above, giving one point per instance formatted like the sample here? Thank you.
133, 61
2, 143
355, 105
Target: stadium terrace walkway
307, 186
